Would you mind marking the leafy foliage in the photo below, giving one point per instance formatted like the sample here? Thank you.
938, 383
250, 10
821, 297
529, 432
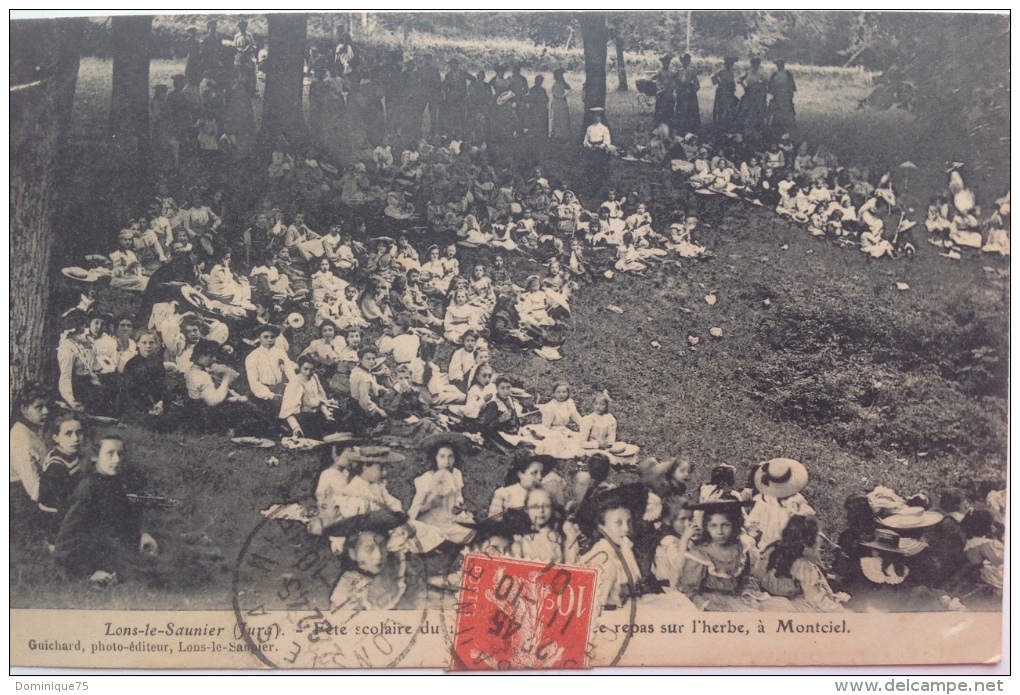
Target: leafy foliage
950, 69
874, 377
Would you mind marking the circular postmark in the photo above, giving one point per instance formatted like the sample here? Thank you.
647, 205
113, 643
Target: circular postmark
511, 614
283, 590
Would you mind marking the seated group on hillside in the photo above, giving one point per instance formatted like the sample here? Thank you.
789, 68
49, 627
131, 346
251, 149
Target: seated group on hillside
375, 319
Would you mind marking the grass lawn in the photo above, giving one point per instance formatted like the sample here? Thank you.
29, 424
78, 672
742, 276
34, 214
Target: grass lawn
864, 383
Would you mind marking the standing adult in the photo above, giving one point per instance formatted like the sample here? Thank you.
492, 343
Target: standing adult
343, 56
537, 124
754, 103
239, 116
408, 115
724, 112
244, 58
560, 115
431, 85
518, 83
193, 63
782, 118
665, 92
455, 96
688, 112
389, 80
180, 119
210, 47
479, 107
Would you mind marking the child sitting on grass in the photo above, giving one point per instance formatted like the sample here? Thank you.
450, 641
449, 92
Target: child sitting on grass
101, 534
62, 470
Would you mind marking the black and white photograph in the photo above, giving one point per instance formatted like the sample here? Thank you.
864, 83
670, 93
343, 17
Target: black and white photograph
317, 319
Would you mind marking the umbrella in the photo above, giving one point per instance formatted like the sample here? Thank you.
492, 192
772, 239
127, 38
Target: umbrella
907, 166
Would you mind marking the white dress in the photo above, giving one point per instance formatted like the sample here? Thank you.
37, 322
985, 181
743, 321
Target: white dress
437, 494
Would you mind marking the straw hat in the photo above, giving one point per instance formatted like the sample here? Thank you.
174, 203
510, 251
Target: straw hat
381, 521
194, 296
890, 541
781, 478
454, 440
912, 518
513, 522
374, 454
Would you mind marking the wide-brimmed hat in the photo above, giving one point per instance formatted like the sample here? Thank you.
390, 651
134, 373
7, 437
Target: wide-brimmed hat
623, 449
295, 321
373, 454
194, 297
76, 273
890, 541
781, 478
512, 522
454, 440
263, 327
381, 521
912, 518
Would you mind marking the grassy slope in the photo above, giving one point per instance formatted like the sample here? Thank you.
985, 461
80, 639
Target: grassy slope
676, 400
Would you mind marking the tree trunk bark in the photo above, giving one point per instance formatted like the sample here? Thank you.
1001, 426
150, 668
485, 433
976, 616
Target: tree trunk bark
131, 46
44, 71
621, 65
282, 106
595, 36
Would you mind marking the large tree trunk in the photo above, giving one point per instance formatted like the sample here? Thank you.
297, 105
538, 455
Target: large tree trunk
44, 72
595, 36
621, 64
282, 108
131, 46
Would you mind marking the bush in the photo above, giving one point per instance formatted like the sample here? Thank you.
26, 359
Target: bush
875, 376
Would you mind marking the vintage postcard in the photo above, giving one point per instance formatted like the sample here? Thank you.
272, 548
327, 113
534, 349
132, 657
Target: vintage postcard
509, 340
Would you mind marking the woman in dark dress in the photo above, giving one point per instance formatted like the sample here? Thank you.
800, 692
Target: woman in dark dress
479, 106
754, 104
688, 111
781, 114
665, 94
538, 110
724, 113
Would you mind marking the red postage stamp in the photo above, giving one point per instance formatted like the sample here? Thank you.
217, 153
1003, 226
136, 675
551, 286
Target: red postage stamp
515, 614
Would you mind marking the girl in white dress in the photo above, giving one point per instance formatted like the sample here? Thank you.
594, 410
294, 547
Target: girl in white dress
439, 493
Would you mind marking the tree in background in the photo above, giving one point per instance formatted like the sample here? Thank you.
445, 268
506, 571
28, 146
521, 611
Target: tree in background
951, 70
44, 72
282, 108
131, 47
595, 35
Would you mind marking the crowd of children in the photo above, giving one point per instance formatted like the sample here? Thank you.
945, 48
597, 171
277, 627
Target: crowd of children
810, 187
404, 333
